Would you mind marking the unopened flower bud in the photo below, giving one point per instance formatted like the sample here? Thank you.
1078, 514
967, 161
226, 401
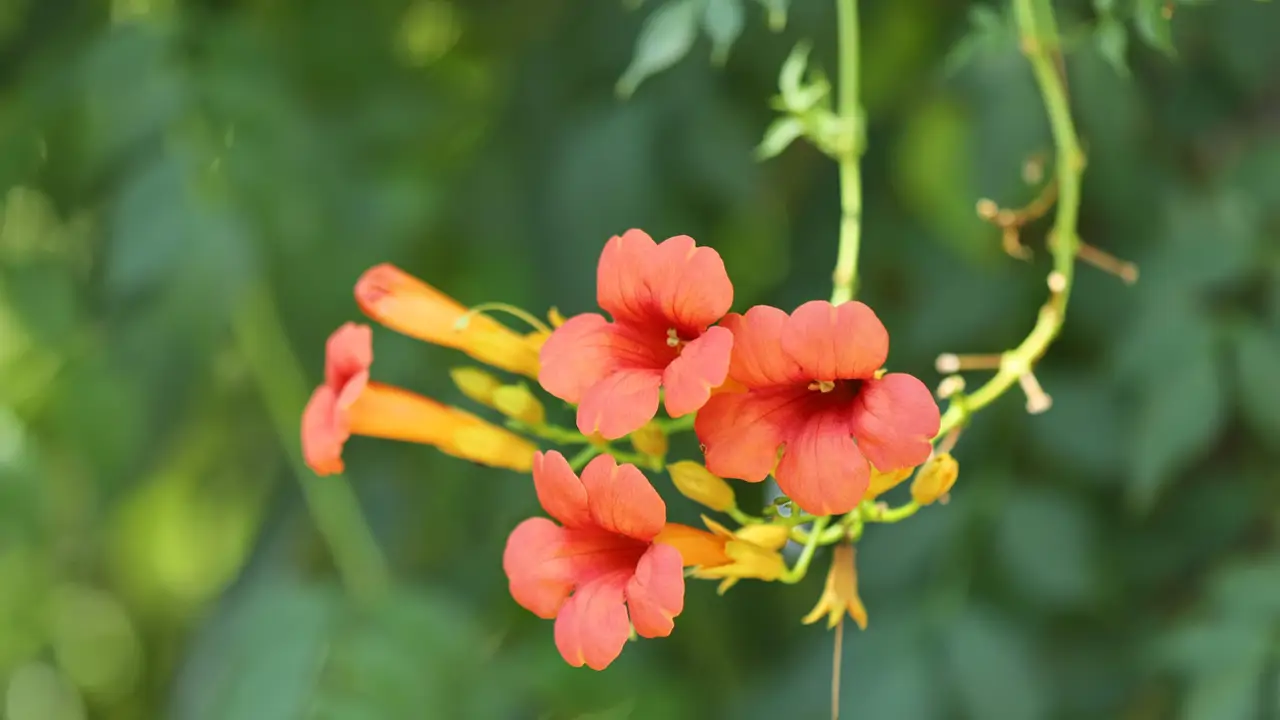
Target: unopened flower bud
518, 403
698, 484
650, 439
768, 536
935, 479
475, 384
882, 482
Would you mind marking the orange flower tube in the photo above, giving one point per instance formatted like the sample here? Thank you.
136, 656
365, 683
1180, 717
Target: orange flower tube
410, 306
348, 403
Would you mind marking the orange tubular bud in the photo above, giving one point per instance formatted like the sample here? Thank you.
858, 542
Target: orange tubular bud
698, 484
935, 479
389, 412
408, 305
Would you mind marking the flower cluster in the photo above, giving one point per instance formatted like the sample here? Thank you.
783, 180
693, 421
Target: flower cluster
802, 397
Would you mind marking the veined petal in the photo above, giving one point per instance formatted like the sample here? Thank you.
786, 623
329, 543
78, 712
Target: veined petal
689, 283
348, 352
578, 354
620, 404
622, 287
324, 432
594, 552
621, 499
703, 364
822, 469
655, 594
407, 305
894, 419
696, 547
833, 342
672, 284
537, 581
560, 491
592, 626
742, 431
757, 360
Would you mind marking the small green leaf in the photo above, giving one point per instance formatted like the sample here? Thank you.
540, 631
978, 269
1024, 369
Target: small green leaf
793, 68
1257, 354
1113, 44
780, 134
665, 39
1154, 19
723, 21
777, 13
989, 31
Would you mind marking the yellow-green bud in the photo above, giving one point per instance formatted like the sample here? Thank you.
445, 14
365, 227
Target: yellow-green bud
935, 479
518, 403
698, 484
650, 439
475, 384
882, 483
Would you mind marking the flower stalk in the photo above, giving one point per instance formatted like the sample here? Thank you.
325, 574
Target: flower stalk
850, 150
1040, 43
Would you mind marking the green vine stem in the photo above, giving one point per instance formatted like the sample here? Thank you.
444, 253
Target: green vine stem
845, 276
812, 541
1039, 40
331, 501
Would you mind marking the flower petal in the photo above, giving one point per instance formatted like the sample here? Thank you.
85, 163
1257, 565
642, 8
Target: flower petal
622, 287
702, 365
822, 469
621, 499
894, 419
833, 342
620, 404
560, 491
742, 431
578, 354
757, 360
324, 432
348, 352
675, 284
538, 582
592, 626
690, 285
655, 594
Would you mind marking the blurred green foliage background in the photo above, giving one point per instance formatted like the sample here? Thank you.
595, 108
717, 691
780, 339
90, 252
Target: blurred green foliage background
191, 187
